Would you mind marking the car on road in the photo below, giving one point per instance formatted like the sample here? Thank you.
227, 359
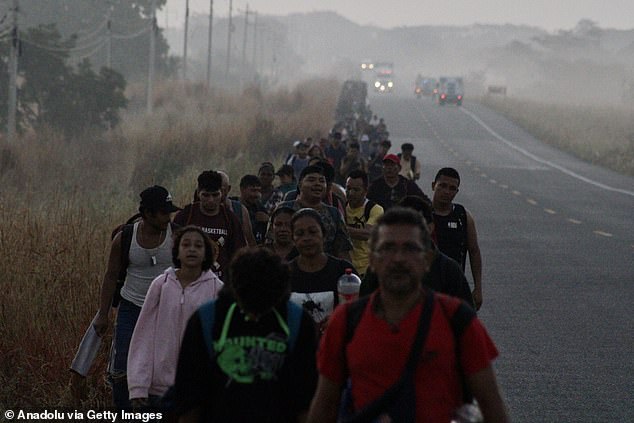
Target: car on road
425, 87
383, 77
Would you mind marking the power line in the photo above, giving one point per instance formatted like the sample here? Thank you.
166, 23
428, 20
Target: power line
133, 35
91, 53
74, 49
95, 31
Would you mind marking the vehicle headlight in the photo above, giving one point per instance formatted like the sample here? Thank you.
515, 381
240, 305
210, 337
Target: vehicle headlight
390, 84
363, 66
382, 88
371, 66
377, 84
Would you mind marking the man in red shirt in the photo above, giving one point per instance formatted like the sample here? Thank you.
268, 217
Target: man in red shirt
374, 357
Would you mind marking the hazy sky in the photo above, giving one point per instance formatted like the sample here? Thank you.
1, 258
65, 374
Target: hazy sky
547, 14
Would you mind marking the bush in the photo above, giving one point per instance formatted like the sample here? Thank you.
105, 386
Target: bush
601, 135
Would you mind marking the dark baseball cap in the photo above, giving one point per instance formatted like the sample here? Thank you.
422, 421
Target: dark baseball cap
157, 198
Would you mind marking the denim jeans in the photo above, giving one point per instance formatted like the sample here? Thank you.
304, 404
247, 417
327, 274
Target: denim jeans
127, 315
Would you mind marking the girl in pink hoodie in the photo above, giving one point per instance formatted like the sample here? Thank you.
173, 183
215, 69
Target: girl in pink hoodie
170, 301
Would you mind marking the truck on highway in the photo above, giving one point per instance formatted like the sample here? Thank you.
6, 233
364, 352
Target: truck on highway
450, 90
353, 102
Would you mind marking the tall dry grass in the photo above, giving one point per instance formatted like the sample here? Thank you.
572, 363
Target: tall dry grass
602, 135
61, 198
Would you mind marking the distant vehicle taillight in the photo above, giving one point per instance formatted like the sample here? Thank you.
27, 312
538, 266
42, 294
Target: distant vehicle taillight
459, 97
443, 96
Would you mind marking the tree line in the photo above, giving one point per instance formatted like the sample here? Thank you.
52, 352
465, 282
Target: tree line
75, 60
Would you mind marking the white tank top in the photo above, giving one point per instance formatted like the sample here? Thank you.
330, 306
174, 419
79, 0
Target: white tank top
145, 265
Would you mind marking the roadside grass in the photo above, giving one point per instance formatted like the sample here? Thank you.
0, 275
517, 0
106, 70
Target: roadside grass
601, 135
60, 200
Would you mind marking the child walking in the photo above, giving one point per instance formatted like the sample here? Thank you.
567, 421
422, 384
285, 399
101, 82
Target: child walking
171, 300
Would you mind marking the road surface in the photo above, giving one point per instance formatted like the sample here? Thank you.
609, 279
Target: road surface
557, 240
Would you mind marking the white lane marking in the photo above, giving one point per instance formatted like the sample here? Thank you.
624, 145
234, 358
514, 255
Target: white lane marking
550, 211
542, 161
515, 192
606, 234
493, 181
504, 186
531, 201
575, 221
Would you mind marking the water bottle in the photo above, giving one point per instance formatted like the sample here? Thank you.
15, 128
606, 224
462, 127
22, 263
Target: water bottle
348, 287
468, 413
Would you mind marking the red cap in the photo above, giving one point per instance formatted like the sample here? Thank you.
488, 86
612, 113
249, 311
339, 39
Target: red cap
392, 158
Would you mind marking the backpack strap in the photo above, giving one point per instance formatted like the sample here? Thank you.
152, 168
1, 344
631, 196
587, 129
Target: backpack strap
461, 319
459, 322
412, 164
367, 209
126, 241
354, 311
190, 212
127, 231
236, 208
207, 315
294, 318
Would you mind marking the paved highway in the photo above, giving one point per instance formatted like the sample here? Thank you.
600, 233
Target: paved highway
557, 240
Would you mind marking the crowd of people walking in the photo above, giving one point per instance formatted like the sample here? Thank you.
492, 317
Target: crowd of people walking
227, 308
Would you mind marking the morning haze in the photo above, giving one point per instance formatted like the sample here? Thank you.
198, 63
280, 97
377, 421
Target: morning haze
584, 64
546, 14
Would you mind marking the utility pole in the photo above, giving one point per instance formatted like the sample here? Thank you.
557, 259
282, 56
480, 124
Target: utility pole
185, 41
13, 76
255, 40
244, 41
150, 77
109, 57
211, 25
230, 30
